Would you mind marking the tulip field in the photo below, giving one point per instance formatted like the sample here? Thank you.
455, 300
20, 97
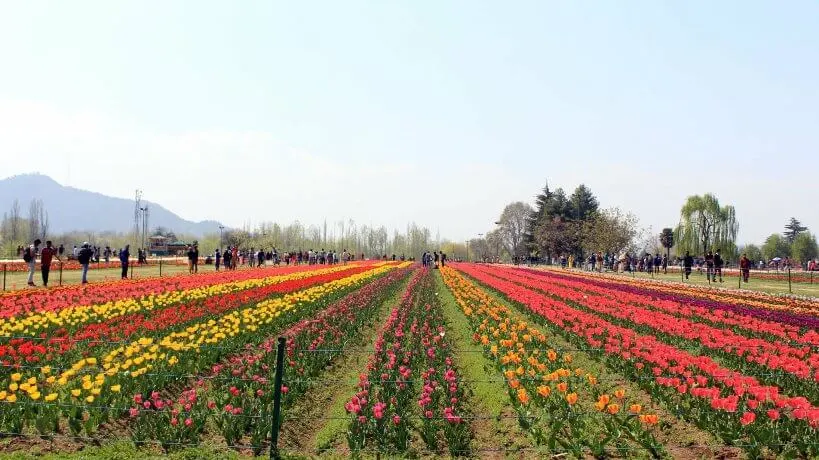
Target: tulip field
388, 358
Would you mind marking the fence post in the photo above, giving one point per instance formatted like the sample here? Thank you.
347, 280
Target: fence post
789, 281
4, 277
160, 267
277, 399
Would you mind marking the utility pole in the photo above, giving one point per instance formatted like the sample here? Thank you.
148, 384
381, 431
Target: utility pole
144, 211
137, 215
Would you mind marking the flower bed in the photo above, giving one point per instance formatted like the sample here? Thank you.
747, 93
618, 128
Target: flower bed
729, 403
235, 395
546, 392
412, 366
85, 391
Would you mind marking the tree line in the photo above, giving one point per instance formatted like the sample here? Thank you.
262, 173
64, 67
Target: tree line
562, 224
17, 230
559, 224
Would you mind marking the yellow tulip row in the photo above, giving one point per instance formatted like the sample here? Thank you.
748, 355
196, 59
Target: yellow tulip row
145, 354
37, 323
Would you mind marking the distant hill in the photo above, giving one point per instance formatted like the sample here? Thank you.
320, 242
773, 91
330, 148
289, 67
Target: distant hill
72, 209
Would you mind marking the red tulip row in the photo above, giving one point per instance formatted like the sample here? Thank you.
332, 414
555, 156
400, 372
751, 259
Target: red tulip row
91, 337
67, 265
88, 392
546, 392
20, 266
28, 301
236, 393
795, 310
683, 307
769, 356
703, 390
412, 345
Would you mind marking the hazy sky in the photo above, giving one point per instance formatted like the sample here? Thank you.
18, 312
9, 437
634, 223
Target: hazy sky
438, 112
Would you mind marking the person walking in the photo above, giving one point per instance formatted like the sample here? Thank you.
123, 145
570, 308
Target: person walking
84, 258
709, 266
190, 259
48, 253
124, 255
30, 257
688, 262
227, 256
664, 261
217, 256
718, 263
744, 267
195, 260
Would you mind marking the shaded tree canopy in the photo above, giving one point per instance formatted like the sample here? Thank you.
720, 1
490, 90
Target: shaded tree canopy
667, 238
513, 227
583, 203
752, 252
558, 224
611, 231
793, 229
776, 245
706, 226
804, 247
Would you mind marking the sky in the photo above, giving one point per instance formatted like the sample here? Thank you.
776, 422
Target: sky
437, 112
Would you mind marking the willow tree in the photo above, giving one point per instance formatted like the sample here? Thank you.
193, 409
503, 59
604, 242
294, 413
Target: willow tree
705, 226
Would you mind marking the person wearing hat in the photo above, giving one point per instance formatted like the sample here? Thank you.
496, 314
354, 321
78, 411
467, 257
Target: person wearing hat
84, 258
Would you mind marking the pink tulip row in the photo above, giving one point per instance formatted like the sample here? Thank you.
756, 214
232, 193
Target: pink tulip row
411, 365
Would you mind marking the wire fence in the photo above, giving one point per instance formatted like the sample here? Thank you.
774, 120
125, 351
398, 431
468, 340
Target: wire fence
274, 412
742, 277
158, 267
344, 451
278, 379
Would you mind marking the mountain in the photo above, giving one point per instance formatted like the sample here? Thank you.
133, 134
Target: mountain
72, 209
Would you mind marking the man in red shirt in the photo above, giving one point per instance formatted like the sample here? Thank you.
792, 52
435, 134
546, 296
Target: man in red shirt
744, 267
49, 252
